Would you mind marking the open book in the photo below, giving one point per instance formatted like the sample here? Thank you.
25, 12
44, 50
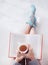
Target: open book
34, 40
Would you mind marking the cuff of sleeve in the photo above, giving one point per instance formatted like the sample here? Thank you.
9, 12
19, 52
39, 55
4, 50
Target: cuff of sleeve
34, 62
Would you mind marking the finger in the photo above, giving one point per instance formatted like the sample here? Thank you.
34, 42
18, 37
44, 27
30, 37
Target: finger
18, 54
17, 51
27, 55
28, 45
21, 57
23, 54
30, 48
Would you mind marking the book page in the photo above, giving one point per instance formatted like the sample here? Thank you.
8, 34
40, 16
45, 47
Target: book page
35, 42
18, 39
15, 41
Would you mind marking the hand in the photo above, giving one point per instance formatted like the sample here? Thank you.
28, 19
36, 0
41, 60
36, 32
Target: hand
30, 54
19, 56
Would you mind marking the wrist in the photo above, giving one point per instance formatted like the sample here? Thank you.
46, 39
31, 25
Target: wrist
32, 58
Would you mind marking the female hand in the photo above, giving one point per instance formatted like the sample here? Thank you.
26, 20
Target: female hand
30, 54
19, 56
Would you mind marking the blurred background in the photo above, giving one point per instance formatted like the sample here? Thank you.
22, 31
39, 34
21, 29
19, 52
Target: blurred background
13, 15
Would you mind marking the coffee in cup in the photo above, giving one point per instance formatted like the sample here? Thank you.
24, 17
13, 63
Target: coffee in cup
23, 48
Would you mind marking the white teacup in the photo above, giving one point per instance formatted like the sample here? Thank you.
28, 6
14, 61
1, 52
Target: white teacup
23, 48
